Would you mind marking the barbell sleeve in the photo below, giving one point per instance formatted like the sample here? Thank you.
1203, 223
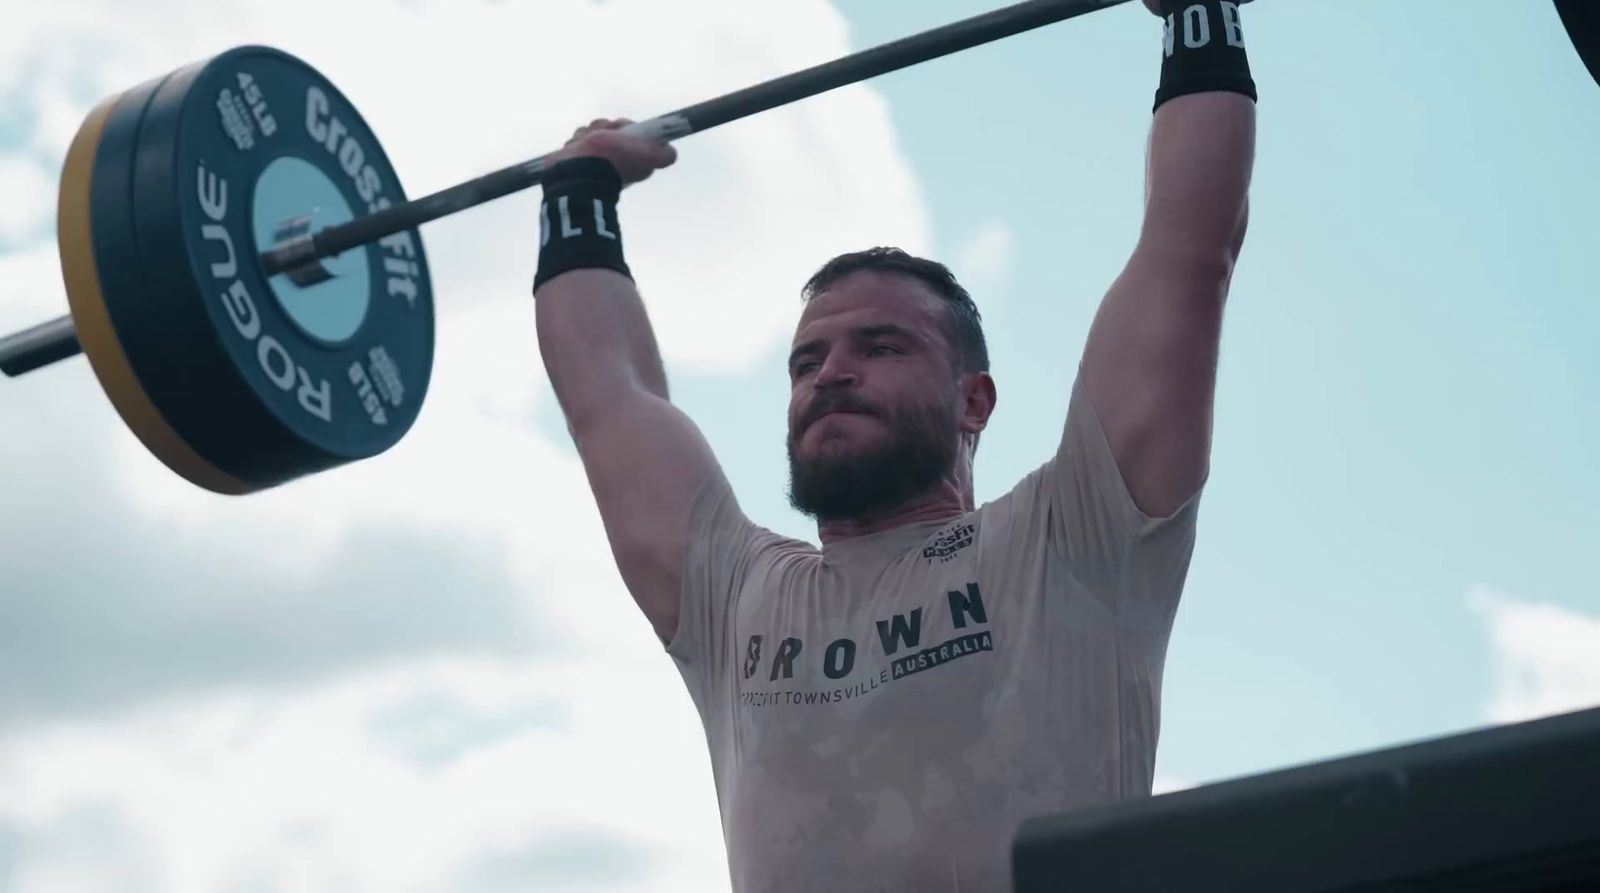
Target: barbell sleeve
41, 345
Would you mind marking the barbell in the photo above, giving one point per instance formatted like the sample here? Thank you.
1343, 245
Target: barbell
246, 275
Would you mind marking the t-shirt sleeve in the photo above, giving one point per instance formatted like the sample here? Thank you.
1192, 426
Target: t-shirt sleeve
1132, 561
724, 548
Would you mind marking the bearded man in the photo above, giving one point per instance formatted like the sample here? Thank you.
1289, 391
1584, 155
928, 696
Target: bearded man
884, 710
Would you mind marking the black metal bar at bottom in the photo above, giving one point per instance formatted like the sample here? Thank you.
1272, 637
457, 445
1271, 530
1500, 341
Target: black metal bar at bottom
40, 345
907, 51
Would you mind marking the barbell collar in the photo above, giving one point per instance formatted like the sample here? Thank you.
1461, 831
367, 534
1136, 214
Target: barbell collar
293, 236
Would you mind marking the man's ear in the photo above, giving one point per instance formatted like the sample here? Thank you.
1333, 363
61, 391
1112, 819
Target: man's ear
978, 401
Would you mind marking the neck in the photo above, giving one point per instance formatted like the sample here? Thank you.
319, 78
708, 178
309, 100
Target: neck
944, 500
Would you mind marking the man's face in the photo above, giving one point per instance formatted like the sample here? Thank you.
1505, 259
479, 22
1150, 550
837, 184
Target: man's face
873, 397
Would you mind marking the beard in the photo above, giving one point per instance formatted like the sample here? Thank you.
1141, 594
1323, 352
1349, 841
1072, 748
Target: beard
921, 450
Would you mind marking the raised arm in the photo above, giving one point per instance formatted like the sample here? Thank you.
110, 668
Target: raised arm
1150, 363
644, 458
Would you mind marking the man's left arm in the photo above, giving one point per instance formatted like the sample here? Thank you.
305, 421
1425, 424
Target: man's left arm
1149, 366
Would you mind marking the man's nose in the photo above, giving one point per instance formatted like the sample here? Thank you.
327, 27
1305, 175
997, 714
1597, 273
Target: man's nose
835, 372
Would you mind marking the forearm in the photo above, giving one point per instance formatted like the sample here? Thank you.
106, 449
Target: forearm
1202, 152
594, 333
1202, 141
596, 341
1150, 363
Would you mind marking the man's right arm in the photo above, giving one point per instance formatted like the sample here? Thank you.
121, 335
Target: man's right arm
645, 460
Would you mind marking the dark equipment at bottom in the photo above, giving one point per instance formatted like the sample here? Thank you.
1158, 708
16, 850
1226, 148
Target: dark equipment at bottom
1513, 808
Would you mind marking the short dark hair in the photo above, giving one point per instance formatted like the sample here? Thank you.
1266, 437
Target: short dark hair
963, 324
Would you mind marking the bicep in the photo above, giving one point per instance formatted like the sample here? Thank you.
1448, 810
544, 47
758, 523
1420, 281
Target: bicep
646, 462
1150, 369
1150, 363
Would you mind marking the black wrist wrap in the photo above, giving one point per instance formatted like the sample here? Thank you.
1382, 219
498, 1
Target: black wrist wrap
1203, 50
578, 226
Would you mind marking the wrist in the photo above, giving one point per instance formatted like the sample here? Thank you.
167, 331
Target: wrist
578, 224
1203, 50
581, 168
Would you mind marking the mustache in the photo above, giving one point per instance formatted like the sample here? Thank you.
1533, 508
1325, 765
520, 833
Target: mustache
836, 402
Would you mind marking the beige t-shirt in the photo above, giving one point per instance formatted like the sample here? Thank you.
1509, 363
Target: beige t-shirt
883, 713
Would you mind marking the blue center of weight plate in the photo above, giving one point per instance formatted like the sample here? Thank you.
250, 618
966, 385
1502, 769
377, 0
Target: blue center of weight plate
331, 311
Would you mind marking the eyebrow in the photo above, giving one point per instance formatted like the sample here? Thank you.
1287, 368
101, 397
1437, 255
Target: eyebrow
865, 332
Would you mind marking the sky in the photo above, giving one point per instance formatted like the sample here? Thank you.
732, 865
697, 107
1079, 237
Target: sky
422, 672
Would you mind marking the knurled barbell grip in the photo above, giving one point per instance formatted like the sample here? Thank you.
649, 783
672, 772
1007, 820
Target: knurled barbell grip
41, 345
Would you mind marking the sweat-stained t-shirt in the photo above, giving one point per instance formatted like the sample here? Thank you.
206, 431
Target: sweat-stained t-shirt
884, 712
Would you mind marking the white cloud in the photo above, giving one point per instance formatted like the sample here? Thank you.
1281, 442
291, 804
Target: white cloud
420, 672
405, 779
984, 262
32, 282
27, 200
1546, 657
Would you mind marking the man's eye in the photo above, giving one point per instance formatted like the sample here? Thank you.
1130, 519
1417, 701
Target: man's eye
879, 350
804, 368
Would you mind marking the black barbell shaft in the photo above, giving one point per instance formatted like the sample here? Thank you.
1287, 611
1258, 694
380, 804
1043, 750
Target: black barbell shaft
56, 340
902, 53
